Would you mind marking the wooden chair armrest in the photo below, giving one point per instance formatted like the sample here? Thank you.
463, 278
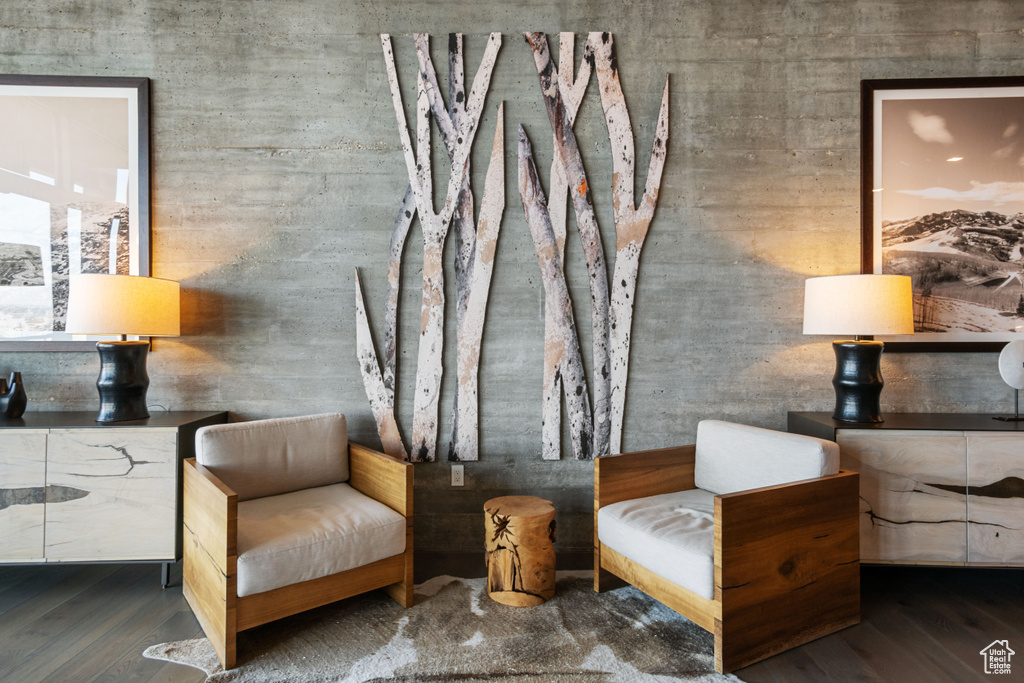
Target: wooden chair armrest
790, 551
210, 553
644, 473
757, 512
210, 510
381, 477
749, 524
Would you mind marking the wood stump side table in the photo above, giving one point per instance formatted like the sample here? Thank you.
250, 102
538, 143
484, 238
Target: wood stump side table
520, 552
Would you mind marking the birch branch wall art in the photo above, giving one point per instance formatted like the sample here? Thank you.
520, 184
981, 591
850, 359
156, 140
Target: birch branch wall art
631, 222
565, 342
458, 125
612, 309
472, 275
590, 235
379, 393
465, 417
595, 420
572, 91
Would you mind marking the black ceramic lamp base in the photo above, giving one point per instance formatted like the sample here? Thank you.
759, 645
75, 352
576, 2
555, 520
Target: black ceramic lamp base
123, 381
858, 381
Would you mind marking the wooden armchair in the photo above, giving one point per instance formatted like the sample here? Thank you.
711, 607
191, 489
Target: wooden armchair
285, 515
763, 562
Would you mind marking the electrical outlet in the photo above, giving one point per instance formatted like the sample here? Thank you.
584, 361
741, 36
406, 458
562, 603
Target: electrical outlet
457, 475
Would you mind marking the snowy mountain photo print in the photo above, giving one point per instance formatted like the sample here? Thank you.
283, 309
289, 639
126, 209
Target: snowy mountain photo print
947, 206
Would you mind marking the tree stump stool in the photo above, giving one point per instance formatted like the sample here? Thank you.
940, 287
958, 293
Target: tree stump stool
520, 552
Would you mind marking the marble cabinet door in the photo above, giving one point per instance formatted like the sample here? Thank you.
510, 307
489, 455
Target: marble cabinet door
913, 508
121, 493
22, 494
995, 498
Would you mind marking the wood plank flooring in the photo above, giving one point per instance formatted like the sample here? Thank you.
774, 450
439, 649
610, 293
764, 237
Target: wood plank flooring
91, 623
924, 624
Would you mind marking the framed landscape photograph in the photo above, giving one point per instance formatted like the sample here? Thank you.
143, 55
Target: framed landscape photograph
942, 200
74, 197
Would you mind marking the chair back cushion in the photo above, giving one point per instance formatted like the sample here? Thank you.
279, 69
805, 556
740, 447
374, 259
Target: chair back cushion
270, 457
733, 457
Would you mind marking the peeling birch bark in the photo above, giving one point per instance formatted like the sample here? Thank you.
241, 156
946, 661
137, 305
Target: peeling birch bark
556, 296
435, 227
465, 432
382, 403
464, 444
398, 236
448, 119
572, 95
586, 222
631, 221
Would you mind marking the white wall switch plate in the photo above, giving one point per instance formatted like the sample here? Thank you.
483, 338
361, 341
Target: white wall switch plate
457, 475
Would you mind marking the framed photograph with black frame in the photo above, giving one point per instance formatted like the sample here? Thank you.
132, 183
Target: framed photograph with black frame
74, 197
942, 200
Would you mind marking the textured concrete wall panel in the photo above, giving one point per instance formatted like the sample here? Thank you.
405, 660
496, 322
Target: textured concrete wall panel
277, 171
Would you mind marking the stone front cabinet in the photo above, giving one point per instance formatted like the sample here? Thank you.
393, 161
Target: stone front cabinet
89, 492
938, 496
97, 494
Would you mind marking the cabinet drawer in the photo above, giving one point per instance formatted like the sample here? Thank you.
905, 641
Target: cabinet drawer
913, 507
125, 494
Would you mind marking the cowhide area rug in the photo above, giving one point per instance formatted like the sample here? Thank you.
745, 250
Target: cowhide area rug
454, 632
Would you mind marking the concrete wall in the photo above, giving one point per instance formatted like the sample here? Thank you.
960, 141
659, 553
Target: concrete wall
277, 171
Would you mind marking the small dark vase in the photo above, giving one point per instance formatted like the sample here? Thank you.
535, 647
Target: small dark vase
13, 399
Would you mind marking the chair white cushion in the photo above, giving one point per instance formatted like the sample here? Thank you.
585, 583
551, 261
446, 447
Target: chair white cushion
269, 457
734, 457
312, 533
672, 534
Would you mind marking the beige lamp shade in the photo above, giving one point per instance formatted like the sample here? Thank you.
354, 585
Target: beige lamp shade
123, 304
859, 305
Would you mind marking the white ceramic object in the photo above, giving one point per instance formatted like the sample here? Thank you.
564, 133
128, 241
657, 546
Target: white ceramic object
1011, 364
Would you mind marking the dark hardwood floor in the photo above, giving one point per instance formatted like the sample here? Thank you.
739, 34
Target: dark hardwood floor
926, 624
92, 622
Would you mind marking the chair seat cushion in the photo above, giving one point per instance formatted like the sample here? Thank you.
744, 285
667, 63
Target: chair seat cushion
308, 534
672, 535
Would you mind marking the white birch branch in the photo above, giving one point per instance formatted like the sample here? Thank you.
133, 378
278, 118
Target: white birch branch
631, 222
463, 221
590, 235
397, 247
572, 95
381, 400
384, 409
429, 367
464, 443
465, 433
556, 296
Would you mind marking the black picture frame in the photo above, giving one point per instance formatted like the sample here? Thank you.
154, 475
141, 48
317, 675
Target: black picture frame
77, 127
963, 96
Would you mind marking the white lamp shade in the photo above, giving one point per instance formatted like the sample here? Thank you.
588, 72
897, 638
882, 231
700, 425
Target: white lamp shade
123, 304
859, 305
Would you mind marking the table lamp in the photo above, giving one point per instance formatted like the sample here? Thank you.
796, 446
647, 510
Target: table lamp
858, 305
123, 305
